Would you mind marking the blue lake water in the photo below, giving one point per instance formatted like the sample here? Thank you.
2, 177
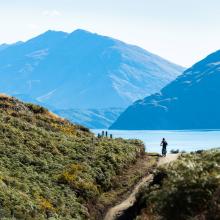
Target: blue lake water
187, 140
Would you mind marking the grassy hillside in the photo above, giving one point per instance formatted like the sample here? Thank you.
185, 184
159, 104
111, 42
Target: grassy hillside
52, 169
186, 189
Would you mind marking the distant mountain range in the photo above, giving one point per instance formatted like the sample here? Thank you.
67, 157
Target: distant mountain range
81, 70
189, 102
91, 118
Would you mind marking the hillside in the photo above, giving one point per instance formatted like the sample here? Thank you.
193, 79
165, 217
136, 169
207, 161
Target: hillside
186, 189
81, 70
189, 102
50, 168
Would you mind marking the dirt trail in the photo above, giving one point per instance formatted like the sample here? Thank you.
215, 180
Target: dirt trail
117, 210
168, 159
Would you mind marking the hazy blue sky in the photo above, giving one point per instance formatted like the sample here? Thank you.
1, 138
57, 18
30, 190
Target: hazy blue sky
182, 31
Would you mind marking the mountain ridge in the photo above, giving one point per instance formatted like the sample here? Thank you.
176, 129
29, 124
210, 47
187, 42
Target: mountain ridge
189, 102
50, 52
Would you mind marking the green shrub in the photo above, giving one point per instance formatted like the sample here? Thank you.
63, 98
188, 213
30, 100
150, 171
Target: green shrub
174, 151
36, 108
50, 168
188, 188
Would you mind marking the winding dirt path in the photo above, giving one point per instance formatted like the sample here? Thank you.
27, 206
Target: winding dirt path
117, 210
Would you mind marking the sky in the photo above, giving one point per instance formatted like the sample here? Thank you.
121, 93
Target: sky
182, 31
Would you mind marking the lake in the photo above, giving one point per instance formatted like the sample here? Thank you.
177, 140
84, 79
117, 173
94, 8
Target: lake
184, 140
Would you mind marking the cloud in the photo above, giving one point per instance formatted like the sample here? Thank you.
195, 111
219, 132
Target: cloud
51, 13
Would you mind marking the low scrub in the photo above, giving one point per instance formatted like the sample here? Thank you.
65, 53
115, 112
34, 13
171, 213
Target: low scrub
52, 169
188, 189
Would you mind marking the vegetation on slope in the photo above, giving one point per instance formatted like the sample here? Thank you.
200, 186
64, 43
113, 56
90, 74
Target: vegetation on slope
50, 168
186, 189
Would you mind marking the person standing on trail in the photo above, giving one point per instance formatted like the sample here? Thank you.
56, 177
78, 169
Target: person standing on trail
164, 147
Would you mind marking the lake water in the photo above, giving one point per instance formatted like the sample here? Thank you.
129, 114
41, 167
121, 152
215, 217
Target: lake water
187, 140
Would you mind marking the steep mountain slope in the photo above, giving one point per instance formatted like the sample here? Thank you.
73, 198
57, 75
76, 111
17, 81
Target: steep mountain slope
52, 169
82, 70
91, 118
189, 102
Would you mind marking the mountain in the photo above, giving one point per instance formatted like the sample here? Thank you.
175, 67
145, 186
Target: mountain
91, 118
82, 70
52, 169
189, 102
3, 46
